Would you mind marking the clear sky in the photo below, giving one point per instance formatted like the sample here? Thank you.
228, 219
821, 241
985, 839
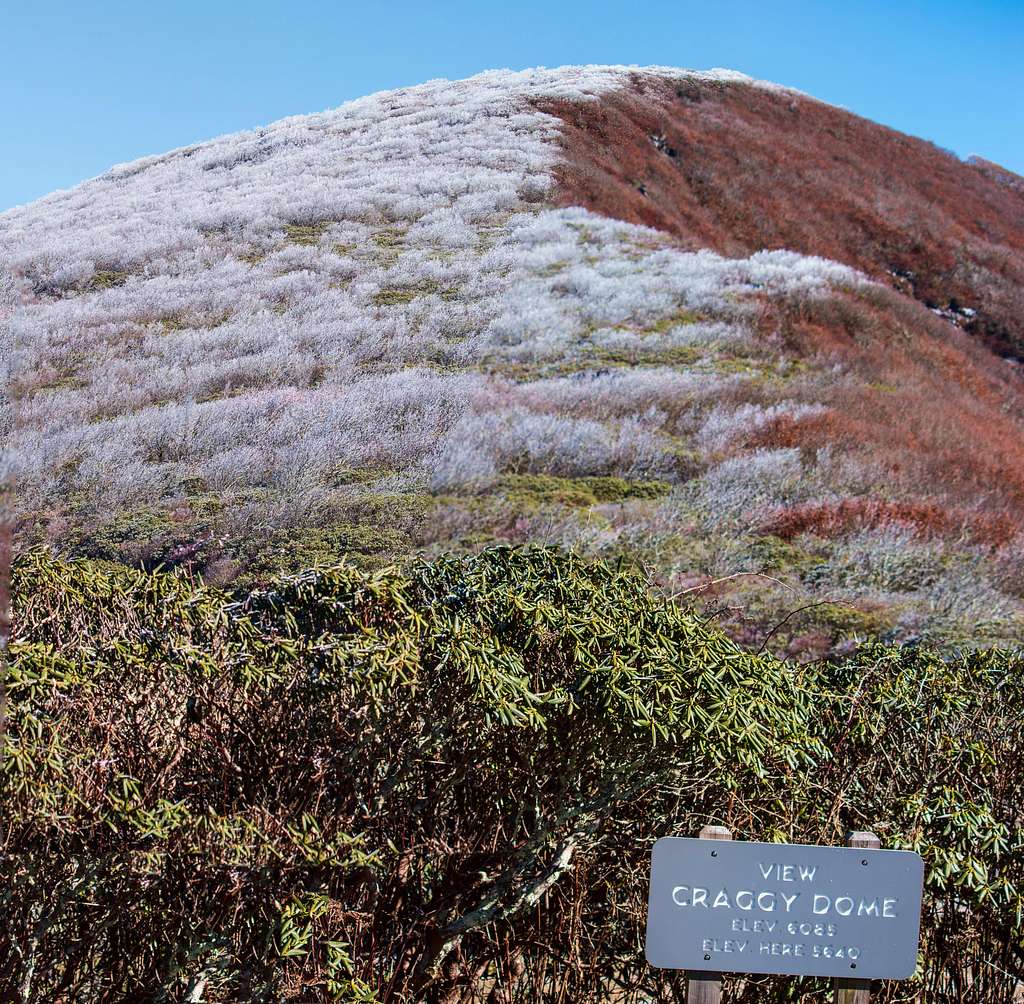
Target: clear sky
86, 84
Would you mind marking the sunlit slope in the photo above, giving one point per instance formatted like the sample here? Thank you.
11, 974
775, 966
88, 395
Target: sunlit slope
407, 324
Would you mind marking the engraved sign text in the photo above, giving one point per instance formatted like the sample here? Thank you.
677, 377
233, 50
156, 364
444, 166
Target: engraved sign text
792, 909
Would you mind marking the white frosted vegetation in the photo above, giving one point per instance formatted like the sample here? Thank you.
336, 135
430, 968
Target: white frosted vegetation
723, 426
382, 284
739, 485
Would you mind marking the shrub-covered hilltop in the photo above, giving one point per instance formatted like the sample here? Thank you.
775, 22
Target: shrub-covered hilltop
443, 785
762, 352
702, 322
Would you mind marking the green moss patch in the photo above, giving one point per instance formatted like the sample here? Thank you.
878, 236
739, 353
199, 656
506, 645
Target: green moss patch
173, 322
647, 355
108, 279
145, 536
772, 554
391, 296
255, 257
342, 474
678, 319
531, 490
306, 234
390, 238
390, 242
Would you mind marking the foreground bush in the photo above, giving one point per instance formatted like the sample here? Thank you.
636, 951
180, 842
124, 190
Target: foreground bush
444, 785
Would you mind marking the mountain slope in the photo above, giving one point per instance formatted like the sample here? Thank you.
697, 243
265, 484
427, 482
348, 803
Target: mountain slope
739, 169
584, 306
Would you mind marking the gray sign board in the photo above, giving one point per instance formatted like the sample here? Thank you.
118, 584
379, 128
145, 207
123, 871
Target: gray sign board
792, 909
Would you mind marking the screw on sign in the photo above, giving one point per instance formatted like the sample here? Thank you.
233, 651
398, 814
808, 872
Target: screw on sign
717, 905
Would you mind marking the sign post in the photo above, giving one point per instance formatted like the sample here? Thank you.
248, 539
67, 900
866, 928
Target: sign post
706, 987
856, 991
848, 913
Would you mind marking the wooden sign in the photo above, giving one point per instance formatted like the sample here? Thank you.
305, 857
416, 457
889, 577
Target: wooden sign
791, 909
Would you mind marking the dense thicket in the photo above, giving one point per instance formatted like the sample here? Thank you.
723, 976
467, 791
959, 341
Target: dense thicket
444, 785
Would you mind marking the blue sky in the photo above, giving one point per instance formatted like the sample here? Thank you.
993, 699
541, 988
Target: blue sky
86, 85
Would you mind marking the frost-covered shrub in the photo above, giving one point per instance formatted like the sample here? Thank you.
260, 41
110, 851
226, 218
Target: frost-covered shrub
1010, 566
333, 289
724, 425
885, 560
656, 395
482, 445
739, 486
967, 593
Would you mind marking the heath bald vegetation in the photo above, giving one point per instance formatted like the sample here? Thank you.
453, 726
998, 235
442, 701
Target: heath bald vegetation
422, 506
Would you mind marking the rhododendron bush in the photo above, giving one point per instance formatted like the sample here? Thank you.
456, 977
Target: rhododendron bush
445, 785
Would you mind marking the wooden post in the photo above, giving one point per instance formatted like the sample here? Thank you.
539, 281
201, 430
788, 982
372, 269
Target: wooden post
855, 991
706, 988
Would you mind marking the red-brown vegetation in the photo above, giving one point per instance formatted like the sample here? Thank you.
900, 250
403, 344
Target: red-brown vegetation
910, 394
928, 403
925, 518
739, 168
